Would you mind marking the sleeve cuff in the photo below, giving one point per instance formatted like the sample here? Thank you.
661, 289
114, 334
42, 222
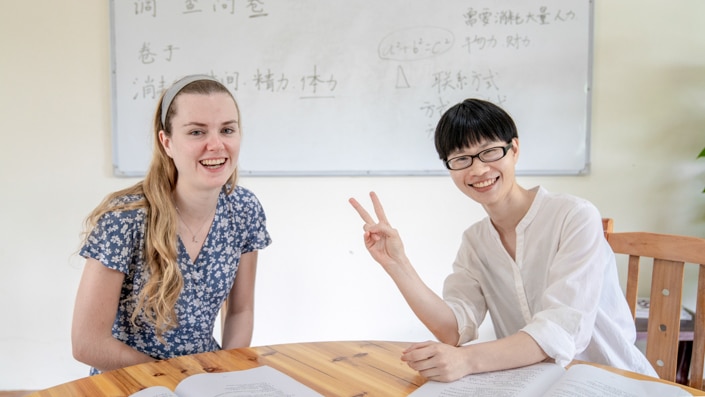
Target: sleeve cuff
553, 340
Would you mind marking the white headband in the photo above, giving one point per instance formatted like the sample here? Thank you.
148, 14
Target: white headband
175, 88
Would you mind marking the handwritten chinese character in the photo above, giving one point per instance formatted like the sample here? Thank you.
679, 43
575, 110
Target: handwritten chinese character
147, 7
256, 8
224, 5
146, 56
191, 6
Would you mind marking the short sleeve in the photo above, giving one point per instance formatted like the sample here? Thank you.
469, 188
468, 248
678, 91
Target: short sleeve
250, 215
113, 241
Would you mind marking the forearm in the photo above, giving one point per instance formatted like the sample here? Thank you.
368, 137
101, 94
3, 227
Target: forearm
92, 340
514, 351
239, 317
433, 312
445, 363
107, 353
385, 246
238, 329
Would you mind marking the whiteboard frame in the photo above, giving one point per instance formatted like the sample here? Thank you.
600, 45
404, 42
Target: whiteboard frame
585, 170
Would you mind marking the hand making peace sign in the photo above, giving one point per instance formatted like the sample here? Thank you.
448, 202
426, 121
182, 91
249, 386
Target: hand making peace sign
381, 239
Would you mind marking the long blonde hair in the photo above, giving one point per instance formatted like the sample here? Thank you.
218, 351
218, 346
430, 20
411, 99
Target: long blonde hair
157, 300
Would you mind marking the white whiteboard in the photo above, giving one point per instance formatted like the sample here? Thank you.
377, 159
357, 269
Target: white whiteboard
334, 87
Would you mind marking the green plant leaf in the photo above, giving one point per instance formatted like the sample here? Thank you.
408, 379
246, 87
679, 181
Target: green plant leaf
702, 154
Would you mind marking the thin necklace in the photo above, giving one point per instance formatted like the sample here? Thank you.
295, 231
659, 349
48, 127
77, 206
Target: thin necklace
193, 235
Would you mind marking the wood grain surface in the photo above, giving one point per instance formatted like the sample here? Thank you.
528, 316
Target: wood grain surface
346, 368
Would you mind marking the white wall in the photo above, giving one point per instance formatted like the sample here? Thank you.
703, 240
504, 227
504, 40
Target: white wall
316, 282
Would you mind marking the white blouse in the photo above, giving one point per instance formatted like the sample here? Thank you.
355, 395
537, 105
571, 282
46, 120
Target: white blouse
562, 289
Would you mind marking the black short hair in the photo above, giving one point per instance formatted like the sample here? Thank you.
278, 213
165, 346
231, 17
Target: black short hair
472, 122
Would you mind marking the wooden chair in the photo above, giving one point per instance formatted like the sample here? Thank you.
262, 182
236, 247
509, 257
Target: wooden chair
223, 313
669, 254
607, 225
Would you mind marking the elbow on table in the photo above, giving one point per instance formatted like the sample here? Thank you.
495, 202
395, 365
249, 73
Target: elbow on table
79, 350
83, 346
449, 341
447, 336
446, 331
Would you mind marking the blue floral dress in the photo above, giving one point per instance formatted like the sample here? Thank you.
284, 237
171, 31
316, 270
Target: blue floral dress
239, 226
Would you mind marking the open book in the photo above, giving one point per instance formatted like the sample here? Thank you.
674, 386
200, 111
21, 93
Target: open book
262, 381
549, 380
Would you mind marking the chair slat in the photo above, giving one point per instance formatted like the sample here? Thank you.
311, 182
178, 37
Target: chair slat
607, 225
698, 357
664, 317
632, 283
670, 253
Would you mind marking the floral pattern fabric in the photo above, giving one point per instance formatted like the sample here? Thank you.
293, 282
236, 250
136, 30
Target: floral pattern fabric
118, 242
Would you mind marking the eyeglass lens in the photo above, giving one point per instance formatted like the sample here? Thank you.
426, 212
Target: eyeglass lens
486, 156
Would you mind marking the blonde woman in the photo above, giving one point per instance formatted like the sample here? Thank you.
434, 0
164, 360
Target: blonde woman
163, 255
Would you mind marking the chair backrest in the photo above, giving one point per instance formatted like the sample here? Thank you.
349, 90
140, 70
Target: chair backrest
669, 254
607, 225
223, 314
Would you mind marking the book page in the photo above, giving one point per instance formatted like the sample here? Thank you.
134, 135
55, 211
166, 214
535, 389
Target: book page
154, 391
589, 381
528, 381
262, 381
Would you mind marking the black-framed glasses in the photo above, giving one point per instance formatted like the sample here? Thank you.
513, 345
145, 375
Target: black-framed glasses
486, 156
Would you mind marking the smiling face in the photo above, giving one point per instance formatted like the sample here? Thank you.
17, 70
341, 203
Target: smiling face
471, 127
487, 183
204, 141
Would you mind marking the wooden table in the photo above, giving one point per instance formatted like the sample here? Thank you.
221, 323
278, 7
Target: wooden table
351, 368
